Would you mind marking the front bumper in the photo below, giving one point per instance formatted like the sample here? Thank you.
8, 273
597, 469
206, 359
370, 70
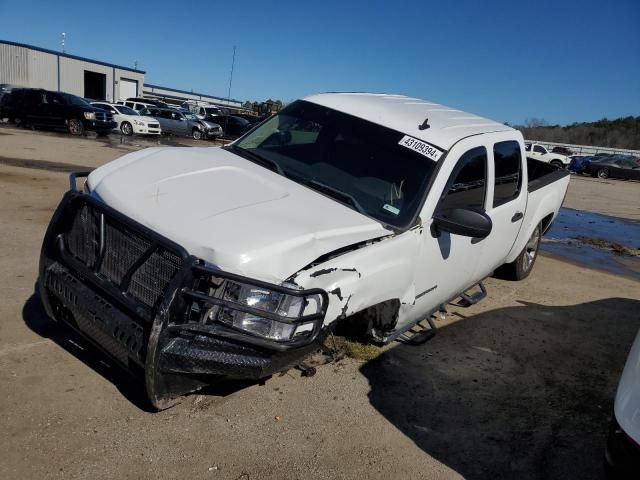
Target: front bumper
213, 133
146, 130
152, 338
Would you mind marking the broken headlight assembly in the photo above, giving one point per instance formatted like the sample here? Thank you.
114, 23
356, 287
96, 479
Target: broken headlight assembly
280, 313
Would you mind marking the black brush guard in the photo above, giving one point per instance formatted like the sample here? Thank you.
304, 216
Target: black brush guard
127, 290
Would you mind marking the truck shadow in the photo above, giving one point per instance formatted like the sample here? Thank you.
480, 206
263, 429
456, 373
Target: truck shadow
130, 387
519, 392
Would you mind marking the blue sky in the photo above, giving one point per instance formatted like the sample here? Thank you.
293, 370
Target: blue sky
563, 61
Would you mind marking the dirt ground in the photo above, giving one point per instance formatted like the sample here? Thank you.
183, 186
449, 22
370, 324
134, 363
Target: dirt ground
519, 386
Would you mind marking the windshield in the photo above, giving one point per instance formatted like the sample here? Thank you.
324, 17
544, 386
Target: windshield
126, 110
73, 100
356, 162
190, 116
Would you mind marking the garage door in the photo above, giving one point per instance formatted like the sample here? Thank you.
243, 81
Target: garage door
128, 88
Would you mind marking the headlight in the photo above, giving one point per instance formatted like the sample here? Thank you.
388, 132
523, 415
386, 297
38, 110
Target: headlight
293, 310
89, 115
138, 122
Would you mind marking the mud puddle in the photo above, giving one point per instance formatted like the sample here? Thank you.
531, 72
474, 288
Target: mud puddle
599, 241
43, 165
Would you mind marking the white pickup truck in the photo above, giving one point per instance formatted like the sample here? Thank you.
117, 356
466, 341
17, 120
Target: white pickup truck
538, 152
188, 263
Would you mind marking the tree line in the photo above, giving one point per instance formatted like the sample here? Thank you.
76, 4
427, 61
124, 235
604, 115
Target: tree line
619, 133
263, 108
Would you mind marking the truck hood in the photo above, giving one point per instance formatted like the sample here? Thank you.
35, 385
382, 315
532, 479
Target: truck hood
229, 211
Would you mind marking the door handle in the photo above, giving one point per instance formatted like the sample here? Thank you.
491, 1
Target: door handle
517, 216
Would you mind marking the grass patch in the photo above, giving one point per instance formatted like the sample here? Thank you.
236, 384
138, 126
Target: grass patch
361, 351
345, 346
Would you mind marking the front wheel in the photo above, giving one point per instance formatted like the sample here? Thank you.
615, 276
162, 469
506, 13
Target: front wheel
603, 173
196, 134
557, 164
521, 267
126, 128
75, 127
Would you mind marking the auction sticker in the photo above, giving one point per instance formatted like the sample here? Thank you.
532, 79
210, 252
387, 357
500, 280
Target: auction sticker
421, 147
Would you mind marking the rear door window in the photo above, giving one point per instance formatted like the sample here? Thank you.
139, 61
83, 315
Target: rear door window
539, 149
508, 175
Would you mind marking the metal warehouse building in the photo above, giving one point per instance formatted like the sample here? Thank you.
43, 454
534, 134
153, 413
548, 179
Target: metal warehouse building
29, 66
173, 95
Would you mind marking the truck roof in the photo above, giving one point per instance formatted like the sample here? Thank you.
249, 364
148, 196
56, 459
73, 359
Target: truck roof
447, 125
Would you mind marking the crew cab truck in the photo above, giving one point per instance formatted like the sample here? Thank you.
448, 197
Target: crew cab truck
538, 152
188, 264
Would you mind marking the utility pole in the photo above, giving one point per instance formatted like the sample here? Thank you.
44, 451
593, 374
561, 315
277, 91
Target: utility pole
233, 62
64, 35
226, 123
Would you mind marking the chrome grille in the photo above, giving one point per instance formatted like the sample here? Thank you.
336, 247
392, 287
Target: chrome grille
104, 116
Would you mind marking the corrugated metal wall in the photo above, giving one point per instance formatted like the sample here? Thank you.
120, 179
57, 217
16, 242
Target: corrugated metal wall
26, 67
72, 76
14, 65
43, 70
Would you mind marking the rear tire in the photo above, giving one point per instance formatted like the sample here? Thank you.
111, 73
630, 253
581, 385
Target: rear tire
126, 128
603, 173
75, 127
521, 267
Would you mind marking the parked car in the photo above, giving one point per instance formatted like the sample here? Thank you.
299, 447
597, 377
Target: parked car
238, 261
615, 166
622, 454
232, 126
202, 109
129, 121
136, 105
148, 101
562, 151
578, 164
252, 119
44, 108
184, 124
5, 88
540, 153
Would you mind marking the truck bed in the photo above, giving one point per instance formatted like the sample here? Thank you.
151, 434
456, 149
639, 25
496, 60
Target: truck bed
542, 173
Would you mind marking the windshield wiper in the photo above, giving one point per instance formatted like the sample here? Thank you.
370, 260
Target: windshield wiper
254, 157
337, 194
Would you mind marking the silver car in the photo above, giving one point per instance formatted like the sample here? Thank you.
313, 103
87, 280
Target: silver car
183, 124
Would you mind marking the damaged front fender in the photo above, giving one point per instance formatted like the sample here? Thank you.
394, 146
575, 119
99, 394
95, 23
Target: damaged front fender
367, 276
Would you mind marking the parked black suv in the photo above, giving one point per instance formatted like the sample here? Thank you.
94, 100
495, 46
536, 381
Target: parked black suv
43, 108
232, 126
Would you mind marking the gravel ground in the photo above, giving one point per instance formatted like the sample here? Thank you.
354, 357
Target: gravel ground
519, 386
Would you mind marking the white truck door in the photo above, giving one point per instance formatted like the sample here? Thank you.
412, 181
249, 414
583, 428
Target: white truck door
539, 153
448, 263
507, 201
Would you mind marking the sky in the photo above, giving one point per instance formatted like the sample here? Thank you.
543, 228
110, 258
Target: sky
562, 61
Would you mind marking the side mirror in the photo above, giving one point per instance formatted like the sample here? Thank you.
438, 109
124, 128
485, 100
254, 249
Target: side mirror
462, 221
